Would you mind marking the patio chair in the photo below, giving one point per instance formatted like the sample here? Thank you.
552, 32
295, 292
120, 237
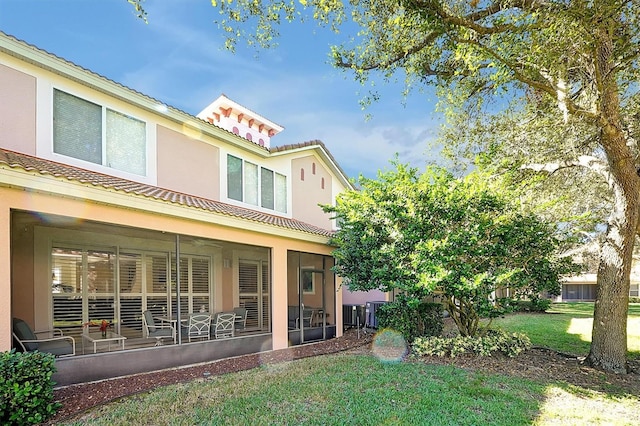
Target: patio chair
241, 318
294, 318
151, 329
199, 326
224, 325
27, 340
307, 317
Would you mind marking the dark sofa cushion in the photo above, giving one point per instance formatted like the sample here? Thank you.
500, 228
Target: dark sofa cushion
24, 332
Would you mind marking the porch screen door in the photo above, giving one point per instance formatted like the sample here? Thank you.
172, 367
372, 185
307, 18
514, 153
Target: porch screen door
311, 292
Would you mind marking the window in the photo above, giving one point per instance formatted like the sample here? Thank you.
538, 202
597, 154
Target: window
90, 132
308, 284
255, 185
234, 178
251, 183
281, 193
194, 284
253, 293
266, 184
92, 285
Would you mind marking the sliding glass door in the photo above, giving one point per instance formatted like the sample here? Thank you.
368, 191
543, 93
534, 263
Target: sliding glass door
91, 285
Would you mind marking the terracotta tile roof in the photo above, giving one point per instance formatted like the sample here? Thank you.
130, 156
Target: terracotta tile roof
28, 163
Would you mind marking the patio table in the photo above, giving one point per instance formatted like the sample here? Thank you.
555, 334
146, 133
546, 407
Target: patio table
98, 337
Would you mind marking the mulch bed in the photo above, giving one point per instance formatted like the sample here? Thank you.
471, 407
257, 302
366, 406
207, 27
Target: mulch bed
537, 364
76, 399
545, 365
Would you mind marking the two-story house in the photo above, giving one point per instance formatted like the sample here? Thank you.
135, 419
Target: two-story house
114, 206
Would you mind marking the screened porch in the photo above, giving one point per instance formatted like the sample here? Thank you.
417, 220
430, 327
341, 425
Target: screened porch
75, 276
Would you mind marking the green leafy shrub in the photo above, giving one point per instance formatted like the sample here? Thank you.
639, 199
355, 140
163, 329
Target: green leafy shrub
411, 319
533, 305
26, 388
462, 239
495, 341
634, 299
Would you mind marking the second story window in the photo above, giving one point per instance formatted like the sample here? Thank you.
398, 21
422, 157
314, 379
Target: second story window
234, 178
266, 184
93, 133
258, 186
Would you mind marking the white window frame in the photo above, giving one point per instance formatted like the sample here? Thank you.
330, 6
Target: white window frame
104, 136
277, 176
44, 139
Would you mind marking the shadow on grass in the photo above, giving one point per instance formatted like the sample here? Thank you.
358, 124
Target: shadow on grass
567, 327
570, 404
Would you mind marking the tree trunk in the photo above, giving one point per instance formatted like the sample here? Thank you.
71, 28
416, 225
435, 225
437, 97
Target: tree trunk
609, 336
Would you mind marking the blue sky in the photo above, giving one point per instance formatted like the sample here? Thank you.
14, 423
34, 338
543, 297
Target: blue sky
178, 59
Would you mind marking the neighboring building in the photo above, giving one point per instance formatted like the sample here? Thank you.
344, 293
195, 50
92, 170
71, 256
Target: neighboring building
578, 288
102, 188
582, 288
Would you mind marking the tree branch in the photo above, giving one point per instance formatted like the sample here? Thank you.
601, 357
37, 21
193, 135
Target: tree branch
587, 161
430, 38
470, 20
549, 87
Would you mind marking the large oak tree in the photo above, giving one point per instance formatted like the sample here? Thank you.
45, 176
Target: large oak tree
576, 60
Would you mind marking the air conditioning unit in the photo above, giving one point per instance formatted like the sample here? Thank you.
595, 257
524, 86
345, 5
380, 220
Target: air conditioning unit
372, 321
353, 316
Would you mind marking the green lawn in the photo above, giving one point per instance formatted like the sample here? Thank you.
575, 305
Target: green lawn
365, 390
566, 327
362, 390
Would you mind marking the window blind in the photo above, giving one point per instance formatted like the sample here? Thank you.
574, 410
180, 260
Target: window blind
250, 183
77, 127
266, 188
281, 193
126, 143
234, 178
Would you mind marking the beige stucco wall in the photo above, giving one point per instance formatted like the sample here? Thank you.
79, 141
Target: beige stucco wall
308, 193
22, 261
145, 219
5, 277
227, 299
187, 165
17, 110
362, 297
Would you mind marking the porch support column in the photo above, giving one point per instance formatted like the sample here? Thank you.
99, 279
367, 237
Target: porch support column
338, 307
178, 313
279, 298
5, 279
